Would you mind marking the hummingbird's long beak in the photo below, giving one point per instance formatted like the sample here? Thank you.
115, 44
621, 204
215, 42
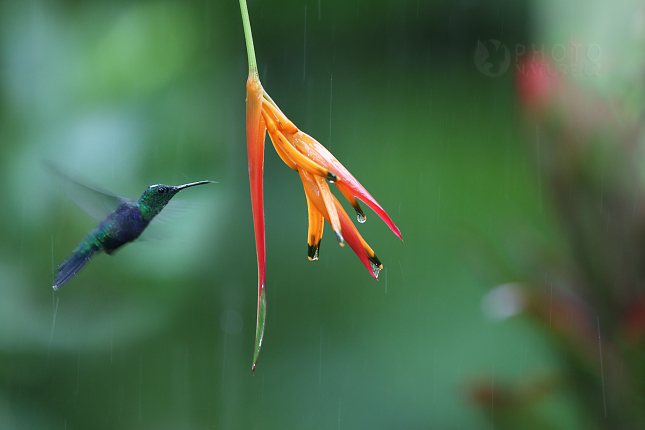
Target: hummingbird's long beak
192, 184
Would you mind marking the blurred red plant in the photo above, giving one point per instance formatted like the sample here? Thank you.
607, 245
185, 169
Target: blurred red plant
589, 153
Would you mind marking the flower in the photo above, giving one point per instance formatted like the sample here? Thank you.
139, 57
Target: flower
315, 165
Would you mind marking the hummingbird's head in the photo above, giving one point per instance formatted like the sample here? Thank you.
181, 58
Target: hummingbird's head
157, 196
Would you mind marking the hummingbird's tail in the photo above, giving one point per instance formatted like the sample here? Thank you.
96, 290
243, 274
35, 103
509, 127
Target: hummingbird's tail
73, 264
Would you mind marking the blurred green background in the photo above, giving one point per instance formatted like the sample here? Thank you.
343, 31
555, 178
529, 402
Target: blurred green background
160, 335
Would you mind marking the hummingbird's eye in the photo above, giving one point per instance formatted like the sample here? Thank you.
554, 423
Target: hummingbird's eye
161, 190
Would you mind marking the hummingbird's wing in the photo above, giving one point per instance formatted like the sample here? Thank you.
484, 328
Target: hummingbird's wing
96, 202
177, 209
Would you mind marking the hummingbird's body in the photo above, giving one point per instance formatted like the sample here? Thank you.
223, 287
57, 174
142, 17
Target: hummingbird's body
123, 225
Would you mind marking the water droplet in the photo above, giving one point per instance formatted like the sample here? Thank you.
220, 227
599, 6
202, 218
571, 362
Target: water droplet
375, 269
312, 252
360, 217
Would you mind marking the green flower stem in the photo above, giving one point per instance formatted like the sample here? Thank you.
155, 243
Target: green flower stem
250, 50
270, 100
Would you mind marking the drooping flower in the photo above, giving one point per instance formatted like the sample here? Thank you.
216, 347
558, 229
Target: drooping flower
316, 167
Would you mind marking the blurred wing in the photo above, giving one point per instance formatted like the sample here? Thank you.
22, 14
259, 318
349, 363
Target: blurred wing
160, 228
92, 200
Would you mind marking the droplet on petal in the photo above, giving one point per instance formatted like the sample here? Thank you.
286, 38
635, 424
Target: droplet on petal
340, 238
376, 269
360, 217
313, 252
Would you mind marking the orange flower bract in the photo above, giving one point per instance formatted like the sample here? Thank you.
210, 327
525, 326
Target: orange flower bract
316, 165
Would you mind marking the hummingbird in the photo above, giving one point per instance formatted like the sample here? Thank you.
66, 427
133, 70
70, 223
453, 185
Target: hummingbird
123, 225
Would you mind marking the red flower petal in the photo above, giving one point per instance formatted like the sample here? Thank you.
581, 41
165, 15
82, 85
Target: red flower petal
314, 150
255, 133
